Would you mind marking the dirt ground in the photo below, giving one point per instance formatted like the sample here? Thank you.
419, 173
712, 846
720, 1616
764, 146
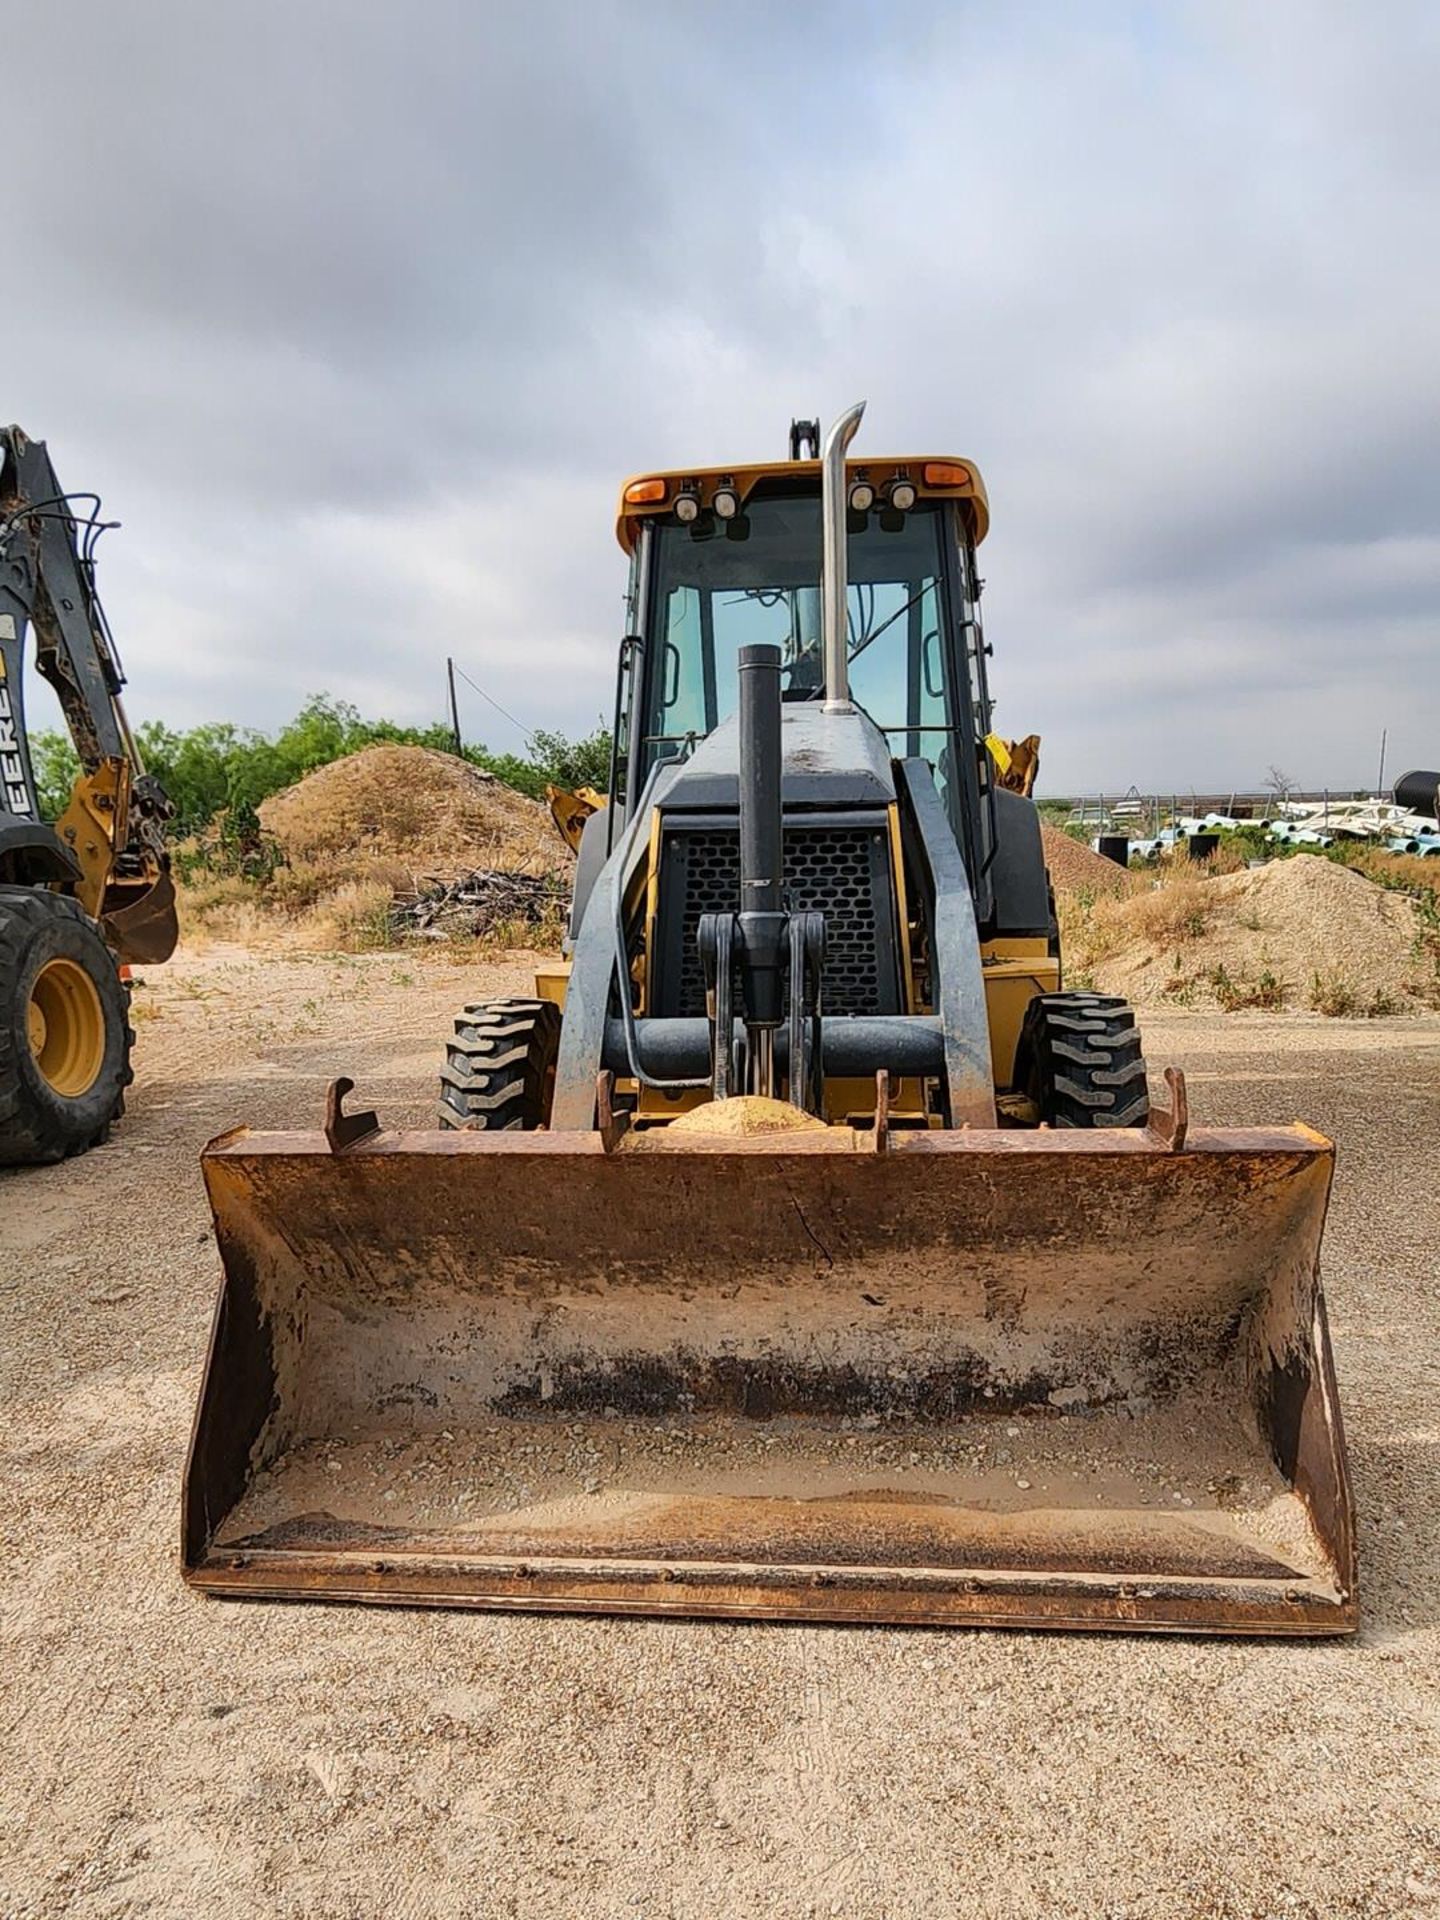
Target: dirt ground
163, 1754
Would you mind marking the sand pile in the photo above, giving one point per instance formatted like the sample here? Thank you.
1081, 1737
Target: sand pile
1301, 932
1074, 867
391, 807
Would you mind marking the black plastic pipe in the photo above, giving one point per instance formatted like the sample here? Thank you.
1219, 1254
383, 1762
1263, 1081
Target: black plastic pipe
856, 1047
1418, 791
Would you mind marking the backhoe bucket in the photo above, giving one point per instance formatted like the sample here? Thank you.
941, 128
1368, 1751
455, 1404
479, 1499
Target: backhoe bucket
1010, 1378
142, 924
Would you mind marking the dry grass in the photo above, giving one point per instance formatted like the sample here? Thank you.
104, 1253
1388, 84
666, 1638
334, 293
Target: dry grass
1395, 869
224, 907
303, 885
354, 918
1228, 857
1095, 926
1180, 909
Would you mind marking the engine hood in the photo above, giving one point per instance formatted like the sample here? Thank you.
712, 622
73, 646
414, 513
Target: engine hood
829, 759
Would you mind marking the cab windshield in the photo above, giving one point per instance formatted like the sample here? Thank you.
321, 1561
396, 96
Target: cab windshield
715, 589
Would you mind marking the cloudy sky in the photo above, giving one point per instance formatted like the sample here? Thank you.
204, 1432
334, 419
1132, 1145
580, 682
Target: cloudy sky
357, 313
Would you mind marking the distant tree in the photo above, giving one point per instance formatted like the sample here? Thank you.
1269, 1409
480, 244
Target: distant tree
1280, 783
554, 759
572, 763
57, 768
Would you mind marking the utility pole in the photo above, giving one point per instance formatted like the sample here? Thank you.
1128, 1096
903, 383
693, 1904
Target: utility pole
454, 709
1380, 777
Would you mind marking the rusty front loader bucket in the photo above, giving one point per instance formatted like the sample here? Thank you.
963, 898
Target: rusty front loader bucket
1028, 1379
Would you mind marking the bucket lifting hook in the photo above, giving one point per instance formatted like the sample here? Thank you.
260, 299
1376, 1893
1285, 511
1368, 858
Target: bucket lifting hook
343, 1129
1170, 1128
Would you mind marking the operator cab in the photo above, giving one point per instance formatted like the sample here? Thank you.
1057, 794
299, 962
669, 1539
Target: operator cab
723, 560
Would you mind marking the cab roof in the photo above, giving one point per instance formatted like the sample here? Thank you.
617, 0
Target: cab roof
933, 476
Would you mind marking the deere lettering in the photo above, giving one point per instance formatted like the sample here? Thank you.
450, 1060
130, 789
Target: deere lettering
14, 788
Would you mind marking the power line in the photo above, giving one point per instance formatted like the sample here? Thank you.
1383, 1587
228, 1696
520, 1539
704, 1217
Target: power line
527, 731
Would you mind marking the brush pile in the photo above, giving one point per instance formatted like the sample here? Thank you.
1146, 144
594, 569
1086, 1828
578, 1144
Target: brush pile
481, 904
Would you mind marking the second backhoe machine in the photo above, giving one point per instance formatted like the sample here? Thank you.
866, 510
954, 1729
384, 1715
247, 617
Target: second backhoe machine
802, 1247
91, 892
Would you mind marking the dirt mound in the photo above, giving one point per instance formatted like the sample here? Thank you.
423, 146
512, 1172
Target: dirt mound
406, 807
1074, 867
1301, 932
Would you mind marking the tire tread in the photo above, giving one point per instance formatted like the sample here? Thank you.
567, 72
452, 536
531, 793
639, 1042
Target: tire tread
1080, 1061
499, 1066
33, 1131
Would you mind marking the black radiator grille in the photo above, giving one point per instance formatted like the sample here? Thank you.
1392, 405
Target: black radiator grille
842, 872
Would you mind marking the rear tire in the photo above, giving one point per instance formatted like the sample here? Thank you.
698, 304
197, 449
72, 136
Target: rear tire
499, 1072
65, 1033
1079, 1061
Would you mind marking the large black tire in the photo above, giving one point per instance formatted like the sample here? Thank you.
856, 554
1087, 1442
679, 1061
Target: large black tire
1079, 1061
499, 1070
52, 1105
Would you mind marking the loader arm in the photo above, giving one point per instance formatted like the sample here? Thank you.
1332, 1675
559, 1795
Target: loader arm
109, 844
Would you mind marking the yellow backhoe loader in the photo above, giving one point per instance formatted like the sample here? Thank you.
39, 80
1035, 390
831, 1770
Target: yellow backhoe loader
83, 897
801, 1249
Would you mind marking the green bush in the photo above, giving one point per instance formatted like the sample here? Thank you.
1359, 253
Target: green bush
57, 768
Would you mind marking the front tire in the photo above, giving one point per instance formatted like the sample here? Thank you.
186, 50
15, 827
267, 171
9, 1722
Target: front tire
499, 1072
1079, 1061
65, 1033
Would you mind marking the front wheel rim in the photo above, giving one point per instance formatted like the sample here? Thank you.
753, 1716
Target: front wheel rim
65, 1025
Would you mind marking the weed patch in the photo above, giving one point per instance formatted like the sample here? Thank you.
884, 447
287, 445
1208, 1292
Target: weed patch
1235, 993
1334, 995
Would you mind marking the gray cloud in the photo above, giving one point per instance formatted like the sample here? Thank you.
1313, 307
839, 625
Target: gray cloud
359, 315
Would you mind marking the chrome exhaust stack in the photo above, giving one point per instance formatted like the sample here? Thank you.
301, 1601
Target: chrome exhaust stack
833, 579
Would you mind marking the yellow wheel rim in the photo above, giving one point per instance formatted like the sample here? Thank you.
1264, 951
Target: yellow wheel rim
65, 1022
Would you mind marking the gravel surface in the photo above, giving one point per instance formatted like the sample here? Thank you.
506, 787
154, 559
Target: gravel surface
167, 1755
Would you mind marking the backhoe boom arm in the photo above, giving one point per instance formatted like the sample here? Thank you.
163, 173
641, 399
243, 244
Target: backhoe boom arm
109, 845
